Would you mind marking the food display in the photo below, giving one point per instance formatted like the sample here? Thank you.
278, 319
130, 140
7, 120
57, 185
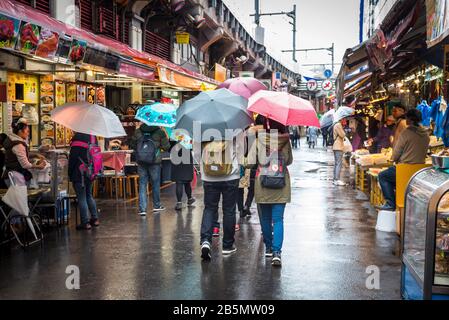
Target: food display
48, 44
426, 246
28, 37
47, 105
9, 29
60, 94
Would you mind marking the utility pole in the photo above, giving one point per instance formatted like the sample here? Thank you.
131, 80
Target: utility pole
331, 50
291, 14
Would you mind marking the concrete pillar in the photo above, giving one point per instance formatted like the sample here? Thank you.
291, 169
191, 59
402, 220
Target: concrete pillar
136, 93
65, 11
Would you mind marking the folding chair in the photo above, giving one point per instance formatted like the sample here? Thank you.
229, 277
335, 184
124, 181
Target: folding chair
20, 219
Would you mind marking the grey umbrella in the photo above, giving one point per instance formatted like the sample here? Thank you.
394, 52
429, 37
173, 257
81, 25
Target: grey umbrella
218, 110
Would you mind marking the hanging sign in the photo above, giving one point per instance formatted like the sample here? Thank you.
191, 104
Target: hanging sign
312, 85
327, 85
9, 30
182, 37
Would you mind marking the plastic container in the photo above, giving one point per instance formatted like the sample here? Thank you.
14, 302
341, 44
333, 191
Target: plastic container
386, 221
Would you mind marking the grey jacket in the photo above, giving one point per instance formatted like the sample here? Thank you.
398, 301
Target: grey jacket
411, 146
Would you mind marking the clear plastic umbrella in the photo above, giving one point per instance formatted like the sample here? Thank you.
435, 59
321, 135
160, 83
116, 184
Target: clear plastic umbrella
343, 112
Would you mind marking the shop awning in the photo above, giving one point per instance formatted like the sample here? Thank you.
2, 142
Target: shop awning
19, 12
174, 78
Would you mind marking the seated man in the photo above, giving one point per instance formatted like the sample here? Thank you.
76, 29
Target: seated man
410, 148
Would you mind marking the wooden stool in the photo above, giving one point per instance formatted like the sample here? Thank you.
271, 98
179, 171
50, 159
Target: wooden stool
132, 186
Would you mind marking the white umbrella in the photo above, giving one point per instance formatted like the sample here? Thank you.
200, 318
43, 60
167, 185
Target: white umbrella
343, 112
89, 118
327, 119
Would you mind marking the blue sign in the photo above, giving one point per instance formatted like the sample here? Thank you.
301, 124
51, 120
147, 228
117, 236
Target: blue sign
328, 73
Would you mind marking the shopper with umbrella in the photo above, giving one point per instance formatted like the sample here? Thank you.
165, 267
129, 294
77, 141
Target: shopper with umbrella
242, 86
340, 122
221, 118
272, 187
85, 160
148, 142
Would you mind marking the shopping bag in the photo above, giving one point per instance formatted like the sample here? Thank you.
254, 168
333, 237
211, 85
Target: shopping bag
194, 180
347, 147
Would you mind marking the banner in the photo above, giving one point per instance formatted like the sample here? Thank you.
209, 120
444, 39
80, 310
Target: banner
220, 73
437, 21
9, 30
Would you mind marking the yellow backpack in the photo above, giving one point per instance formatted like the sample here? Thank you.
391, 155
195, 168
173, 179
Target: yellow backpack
214, 159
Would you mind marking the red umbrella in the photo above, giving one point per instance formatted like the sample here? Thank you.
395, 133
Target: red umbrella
284, 108
244, 87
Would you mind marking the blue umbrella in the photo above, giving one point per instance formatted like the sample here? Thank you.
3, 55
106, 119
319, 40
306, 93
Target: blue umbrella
158, 114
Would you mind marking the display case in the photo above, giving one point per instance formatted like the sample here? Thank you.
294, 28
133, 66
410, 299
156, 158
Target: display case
425, 243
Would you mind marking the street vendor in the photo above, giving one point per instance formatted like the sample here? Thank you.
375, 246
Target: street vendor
17, 156
410, 148
401, 123
384, 136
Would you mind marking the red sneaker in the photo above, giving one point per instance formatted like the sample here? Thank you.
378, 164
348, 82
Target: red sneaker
216, 232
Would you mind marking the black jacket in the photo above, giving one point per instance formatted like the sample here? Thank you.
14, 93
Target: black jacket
182, 172
158, 136
77, 153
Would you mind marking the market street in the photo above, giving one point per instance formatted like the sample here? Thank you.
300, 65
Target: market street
329, 243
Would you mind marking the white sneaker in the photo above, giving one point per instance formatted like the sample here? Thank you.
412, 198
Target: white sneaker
339, 183
142, 214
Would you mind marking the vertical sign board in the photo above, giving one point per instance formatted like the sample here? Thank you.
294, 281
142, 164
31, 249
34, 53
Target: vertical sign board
276, 81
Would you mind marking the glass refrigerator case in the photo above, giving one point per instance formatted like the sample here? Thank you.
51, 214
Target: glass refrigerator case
425, 251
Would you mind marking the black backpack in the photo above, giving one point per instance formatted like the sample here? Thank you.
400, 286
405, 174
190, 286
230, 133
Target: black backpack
146, 151
272, 175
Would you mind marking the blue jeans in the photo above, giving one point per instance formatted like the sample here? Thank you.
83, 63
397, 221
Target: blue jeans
272, 221
338, 155
212, 194
86, 201
387, 181
147, 173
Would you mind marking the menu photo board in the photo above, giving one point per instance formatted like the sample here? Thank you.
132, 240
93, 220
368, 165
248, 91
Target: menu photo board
77, 51
101, 99
91, 94
29, 35
47, 103
48, 44
9, 31
64, 45
81, 92
60, 100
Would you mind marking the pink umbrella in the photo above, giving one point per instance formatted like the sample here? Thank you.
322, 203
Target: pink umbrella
244, 87
284, 108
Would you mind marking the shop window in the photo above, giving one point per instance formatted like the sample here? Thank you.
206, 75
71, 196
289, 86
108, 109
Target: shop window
40, 5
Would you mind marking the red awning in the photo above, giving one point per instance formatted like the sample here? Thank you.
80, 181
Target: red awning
18, 11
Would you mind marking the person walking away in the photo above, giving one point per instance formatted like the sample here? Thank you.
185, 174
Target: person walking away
220, 172
182, 174
79, 160
410, 148
401, 122
294, 136
147, 143
384, 136
313, 137
272, 189
17, 153
338, 148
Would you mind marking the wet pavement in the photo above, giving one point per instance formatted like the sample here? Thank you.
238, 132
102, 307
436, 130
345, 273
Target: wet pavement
329, 241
